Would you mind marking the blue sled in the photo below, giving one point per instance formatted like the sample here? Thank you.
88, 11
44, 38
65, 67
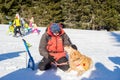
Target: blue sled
31, 63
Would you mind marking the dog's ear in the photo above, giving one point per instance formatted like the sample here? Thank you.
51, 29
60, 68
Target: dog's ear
74, 53
79, 52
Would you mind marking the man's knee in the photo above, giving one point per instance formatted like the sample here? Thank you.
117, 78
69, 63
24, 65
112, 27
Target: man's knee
44, 64
43, 67
63, 67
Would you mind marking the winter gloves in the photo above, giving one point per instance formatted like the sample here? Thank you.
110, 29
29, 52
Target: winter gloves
74, 46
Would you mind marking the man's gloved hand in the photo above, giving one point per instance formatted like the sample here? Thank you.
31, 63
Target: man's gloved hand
74, 46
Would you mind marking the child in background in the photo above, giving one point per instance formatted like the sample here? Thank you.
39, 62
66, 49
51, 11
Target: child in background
35, 29
31, 22
11, 29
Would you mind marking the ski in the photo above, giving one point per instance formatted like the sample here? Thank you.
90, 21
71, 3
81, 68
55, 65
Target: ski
31, 63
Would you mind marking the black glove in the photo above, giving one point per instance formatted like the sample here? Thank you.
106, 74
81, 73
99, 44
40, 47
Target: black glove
74, 46
51, 58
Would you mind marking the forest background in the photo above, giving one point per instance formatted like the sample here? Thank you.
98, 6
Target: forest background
80, 14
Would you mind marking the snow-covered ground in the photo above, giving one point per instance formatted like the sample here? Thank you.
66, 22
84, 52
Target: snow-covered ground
102, 46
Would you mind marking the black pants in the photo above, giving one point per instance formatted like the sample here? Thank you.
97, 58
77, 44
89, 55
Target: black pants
45, 64
17, 30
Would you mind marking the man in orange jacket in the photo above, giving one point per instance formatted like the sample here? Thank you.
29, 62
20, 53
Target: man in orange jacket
51, 47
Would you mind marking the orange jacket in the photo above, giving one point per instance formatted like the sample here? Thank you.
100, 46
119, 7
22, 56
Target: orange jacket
55, 45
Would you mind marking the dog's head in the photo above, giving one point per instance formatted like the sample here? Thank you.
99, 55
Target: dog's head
69, 49
75, 55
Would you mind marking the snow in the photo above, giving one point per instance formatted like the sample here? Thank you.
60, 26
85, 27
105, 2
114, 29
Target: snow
102, 46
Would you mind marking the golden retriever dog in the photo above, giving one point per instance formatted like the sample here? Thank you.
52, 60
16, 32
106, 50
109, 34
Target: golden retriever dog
77, 61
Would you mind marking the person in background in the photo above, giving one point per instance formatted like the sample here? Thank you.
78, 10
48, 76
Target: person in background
22, 22
35, 29
17, 25
51, 47
11, 28
31, 22
17, 15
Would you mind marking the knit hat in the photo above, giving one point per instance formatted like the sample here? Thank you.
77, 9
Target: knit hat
55, 28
